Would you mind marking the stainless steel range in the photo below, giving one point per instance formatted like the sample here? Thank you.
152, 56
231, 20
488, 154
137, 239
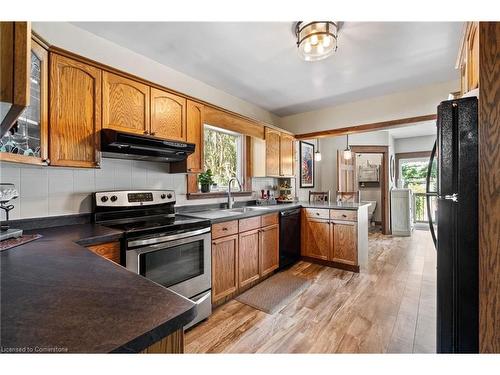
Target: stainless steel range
169, 249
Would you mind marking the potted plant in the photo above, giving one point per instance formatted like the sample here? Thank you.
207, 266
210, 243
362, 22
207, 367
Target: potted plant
205, 179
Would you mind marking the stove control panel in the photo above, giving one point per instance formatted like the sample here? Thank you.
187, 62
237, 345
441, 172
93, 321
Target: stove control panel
127, 198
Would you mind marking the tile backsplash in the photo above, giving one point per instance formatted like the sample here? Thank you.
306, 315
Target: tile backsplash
51, 191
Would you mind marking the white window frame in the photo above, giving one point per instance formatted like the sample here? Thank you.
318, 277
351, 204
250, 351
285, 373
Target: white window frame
240, 152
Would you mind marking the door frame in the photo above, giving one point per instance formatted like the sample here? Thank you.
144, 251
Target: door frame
384, 185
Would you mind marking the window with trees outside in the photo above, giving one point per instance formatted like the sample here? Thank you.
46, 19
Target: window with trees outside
413, 172
223, 155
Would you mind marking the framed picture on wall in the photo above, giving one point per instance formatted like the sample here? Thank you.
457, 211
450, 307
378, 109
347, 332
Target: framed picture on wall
306, 159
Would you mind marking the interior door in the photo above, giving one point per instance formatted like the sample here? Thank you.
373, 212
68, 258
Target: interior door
346, 173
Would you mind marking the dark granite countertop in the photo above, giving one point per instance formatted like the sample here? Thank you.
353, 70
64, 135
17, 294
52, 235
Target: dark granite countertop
221, 215
58, 296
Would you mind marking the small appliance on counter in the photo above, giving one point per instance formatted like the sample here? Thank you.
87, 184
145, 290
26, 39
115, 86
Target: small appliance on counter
7, 193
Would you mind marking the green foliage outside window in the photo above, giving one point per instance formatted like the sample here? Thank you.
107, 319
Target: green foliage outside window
414, 174
221, 155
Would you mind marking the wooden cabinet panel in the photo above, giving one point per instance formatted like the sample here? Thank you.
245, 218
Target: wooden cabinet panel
108, 250
224, 267
258, 157
171, 344
319, 213
317, 239
344, 243
269, 249
349, 215
248, 255
286, 154
125, 104
272, 152
194, 134
75, 113
269, 219
226, 228
168, 115
249, 224
473, 57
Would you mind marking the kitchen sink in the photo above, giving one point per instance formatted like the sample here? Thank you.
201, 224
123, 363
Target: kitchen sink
242, 210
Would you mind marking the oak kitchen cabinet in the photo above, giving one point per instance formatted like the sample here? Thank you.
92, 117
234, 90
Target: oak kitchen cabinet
332, 235
224, 266
75, 113
279, 153
33, 122
125, 104
108, 250
195, 113
243, 251
468, 58
168, 115
15, 64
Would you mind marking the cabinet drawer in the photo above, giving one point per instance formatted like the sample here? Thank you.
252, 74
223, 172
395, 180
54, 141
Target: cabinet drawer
320, 213
349, 215
269, 219
249, 224
224, 229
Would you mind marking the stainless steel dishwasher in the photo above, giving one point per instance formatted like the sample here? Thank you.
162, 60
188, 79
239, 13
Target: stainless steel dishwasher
289, 237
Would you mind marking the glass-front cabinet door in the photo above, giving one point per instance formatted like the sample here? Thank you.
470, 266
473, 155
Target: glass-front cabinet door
26, 142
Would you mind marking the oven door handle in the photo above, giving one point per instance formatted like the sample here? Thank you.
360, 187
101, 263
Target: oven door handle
151, 241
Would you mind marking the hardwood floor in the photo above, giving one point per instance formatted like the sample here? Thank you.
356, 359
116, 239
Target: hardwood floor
389, 307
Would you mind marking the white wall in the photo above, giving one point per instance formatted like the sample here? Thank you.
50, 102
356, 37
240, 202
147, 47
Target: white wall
414, 144
84, 43
420, 101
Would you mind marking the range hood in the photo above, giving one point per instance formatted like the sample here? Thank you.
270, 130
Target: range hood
121, 145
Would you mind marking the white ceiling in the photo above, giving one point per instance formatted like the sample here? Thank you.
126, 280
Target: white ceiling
258, 61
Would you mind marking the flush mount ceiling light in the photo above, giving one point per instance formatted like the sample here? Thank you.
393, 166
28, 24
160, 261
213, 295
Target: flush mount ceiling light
316, 40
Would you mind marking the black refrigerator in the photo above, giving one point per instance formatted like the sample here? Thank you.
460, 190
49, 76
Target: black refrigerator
455, 234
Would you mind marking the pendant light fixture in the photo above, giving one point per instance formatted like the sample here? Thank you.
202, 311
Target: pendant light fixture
317, 154
347, 151
316, 40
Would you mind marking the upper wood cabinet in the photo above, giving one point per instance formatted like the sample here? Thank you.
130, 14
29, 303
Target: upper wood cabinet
28, 141
272, 152
15, 64
195, 115
468, 58
125, 104
286, 154
279, 153
75, 113
168, 115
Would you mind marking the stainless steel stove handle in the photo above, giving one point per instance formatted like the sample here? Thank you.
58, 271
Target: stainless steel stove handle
151, 241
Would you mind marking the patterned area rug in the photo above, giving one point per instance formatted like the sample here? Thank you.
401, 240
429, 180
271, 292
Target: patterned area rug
274, 293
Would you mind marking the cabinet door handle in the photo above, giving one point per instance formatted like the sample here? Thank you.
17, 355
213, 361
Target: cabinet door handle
146, 132
47, 161
224, 228
153, 133
344, 215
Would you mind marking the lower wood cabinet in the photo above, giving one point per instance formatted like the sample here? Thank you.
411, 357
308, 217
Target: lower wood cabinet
316, 238
269, 249
330, 240
243, 252
171, 344
249, 257
344, 243
108, 250
224, 267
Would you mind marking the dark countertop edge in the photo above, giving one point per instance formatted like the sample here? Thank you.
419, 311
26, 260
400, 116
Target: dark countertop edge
158, 333
99, 239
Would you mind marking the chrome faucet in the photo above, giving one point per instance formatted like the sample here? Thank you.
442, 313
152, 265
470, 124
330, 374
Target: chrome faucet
230, 201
